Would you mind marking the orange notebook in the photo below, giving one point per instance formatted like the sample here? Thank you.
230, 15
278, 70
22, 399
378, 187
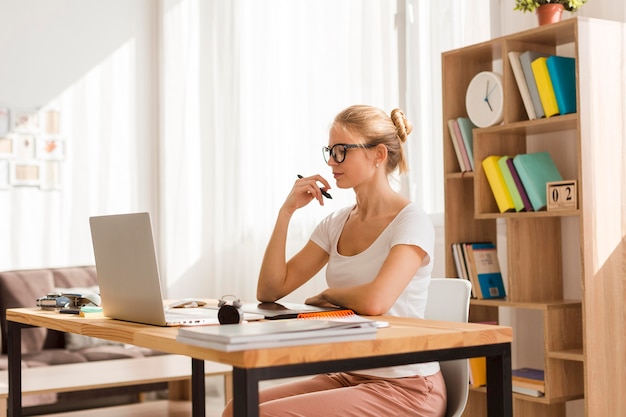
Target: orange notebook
327, 315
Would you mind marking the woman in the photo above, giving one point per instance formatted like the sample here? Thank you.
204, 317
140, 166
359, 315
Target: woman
378, 258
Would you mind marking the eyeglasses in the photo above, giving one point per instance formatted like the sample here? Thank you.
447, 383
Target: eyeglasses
338, 150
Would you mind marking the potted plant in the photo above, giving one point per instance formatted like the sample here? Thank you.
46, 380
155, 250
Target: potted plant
548, 11
533, 5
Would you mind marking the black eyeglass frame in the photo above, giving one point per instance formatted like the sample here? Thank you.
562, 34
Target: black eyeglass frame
330, 151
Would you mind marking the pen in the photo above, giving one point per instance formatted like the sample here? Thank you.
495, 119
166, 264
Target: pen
324, 193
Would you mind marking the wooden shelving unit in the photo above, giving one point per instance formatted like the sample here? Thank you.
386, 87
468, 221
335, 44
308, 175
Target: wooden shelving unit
584, 339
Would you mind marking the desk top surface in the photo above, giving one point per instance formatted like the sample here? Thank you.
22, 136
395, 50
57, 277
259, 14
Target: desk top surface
403, 335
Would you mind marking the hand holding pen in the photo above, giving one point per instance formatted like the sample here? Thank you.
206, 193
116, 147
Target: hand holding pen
323, 191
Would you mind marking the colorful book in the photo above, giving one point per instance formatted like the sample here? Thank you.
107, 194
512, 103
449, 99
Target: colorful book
522, 85
470, 268
544, 86
497, 184
457, 143
510, 183
535, 170
467, 160
478, 372
486, 270
563, 75
466, 126
525, 59
530, 378
520, 186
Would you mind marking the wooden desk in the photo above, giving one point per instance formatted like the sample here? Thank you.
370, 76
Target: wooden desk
405, 341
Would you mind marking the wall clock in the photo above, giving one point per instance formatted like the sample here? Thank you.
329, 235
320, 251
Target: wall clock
484, 99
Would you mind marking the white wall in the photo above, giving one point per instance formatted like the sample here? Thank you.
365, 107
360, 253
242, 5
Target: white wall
47, 47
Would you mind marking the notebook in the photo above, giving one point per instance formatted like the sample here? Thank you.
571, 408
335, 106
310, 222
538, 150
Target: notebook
277, 311
128, 274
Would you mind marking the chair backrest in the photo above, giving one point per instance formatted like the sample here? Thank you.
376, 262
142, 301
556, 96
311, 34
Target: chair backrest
448, 300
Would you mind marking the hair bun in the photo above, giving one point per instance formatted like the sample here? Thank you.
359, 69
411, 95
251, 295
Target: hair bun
403, 126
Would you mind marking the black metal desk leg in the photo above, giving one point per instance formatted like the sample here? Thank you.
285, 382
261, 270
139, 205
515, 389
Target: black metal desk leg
245, 393
499, 390
14, 350
198, 392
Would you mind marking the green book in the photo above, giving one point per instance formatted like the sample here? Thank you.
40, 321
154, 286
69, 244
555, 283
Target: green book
510, 183
535, 170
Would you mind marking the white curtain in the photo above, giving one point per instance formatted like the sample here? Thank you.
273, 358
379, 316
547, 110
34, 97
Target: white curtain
249, 91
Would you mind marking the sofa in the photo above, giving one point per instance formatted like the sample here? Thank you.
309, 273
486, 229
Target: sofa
43, 347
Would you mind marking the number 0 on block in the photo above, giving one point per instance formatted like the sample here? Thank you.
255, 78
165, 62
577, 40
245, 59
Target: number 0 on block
561, 195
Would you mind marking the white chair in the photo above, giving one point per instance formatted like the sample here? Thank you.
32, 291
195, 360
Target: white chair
448, 300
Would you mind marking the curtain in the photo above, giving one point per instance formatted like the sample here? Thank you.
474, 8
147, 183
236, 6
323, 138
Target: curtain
250, 89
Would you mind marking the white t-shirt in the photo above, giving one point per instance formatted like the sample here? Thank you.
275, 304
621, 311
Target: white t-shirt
410, 227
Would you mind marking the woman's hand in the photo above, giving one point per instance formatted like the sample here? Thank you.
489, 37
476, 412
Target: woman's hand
304, 191
319, 301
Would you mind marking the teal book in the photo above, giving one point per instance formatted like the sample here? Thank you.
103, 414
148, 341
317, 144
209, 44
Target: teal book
510, 183
563, 75
535, 170
466, 126
486, 270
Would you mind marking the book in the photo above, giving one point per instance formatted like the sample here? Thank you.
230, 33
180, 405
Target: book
535, 170
510, 183
520, 186
279, 311
544, 86
466, 126
522, 85
525, 60
478, 372
485, 269
529, 378
562, 72
456, 145
278, 333
497, 184
527, 391
470, 276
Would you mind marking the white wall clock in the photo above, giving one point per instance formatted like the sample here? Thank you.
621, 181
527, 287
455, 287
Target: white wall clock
484, 99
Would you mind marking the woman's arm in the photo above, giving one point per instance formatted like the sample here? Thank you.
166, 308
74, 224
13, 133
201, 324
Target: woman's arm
378, 296
278, 277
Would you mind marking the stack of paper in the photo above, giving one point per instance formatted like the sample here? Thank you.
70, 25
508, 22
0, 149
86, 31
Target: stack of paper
267, 334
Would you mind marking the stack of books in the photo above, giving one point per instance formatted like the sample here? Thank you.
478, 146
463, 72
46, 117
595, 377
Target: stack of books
547, 83
278, 333
462, 140
478, 263
519, 183
529, 381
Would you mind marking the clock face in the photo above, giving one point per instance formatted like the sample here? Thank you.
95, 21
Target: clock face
484, 100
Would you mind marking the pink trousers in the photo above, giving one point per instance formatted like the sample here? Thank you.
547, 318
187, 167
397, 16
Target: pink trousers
346, 394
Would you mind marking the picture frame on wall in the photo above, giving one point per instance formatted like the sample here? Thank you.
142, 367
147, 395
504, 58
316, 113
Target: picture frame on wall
4, 120
6, 147
4, 174
24, 146
50, 148
24, 173
25, 120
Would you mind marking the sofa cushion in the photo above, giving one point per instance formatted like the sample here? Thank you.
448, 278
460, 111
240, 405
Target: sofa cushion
102, 353
21, 288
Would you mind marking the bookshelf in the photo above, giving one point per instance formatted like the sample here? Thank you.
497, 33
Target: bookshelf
567, 266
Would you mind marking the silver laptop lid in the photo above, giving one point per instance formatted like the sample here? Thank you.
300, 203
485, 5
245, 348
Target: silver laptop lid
127, 269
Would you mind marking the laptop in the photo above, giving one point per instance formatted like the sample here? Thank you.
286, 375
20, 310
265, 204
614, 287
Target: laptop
128, 274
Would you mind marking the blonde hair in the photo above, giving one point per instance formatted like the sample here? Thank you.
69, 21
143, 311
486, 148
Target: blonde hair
373, 126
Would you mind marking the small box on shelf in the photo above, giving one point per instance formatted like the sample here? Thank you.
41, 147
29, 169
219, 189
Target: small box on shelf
561, 195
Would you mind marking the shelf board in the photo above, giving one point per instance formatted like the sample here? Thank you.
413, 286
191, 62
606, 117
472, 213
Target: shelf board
533, 127
542, 400
529, 214
539, 305
568, 355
